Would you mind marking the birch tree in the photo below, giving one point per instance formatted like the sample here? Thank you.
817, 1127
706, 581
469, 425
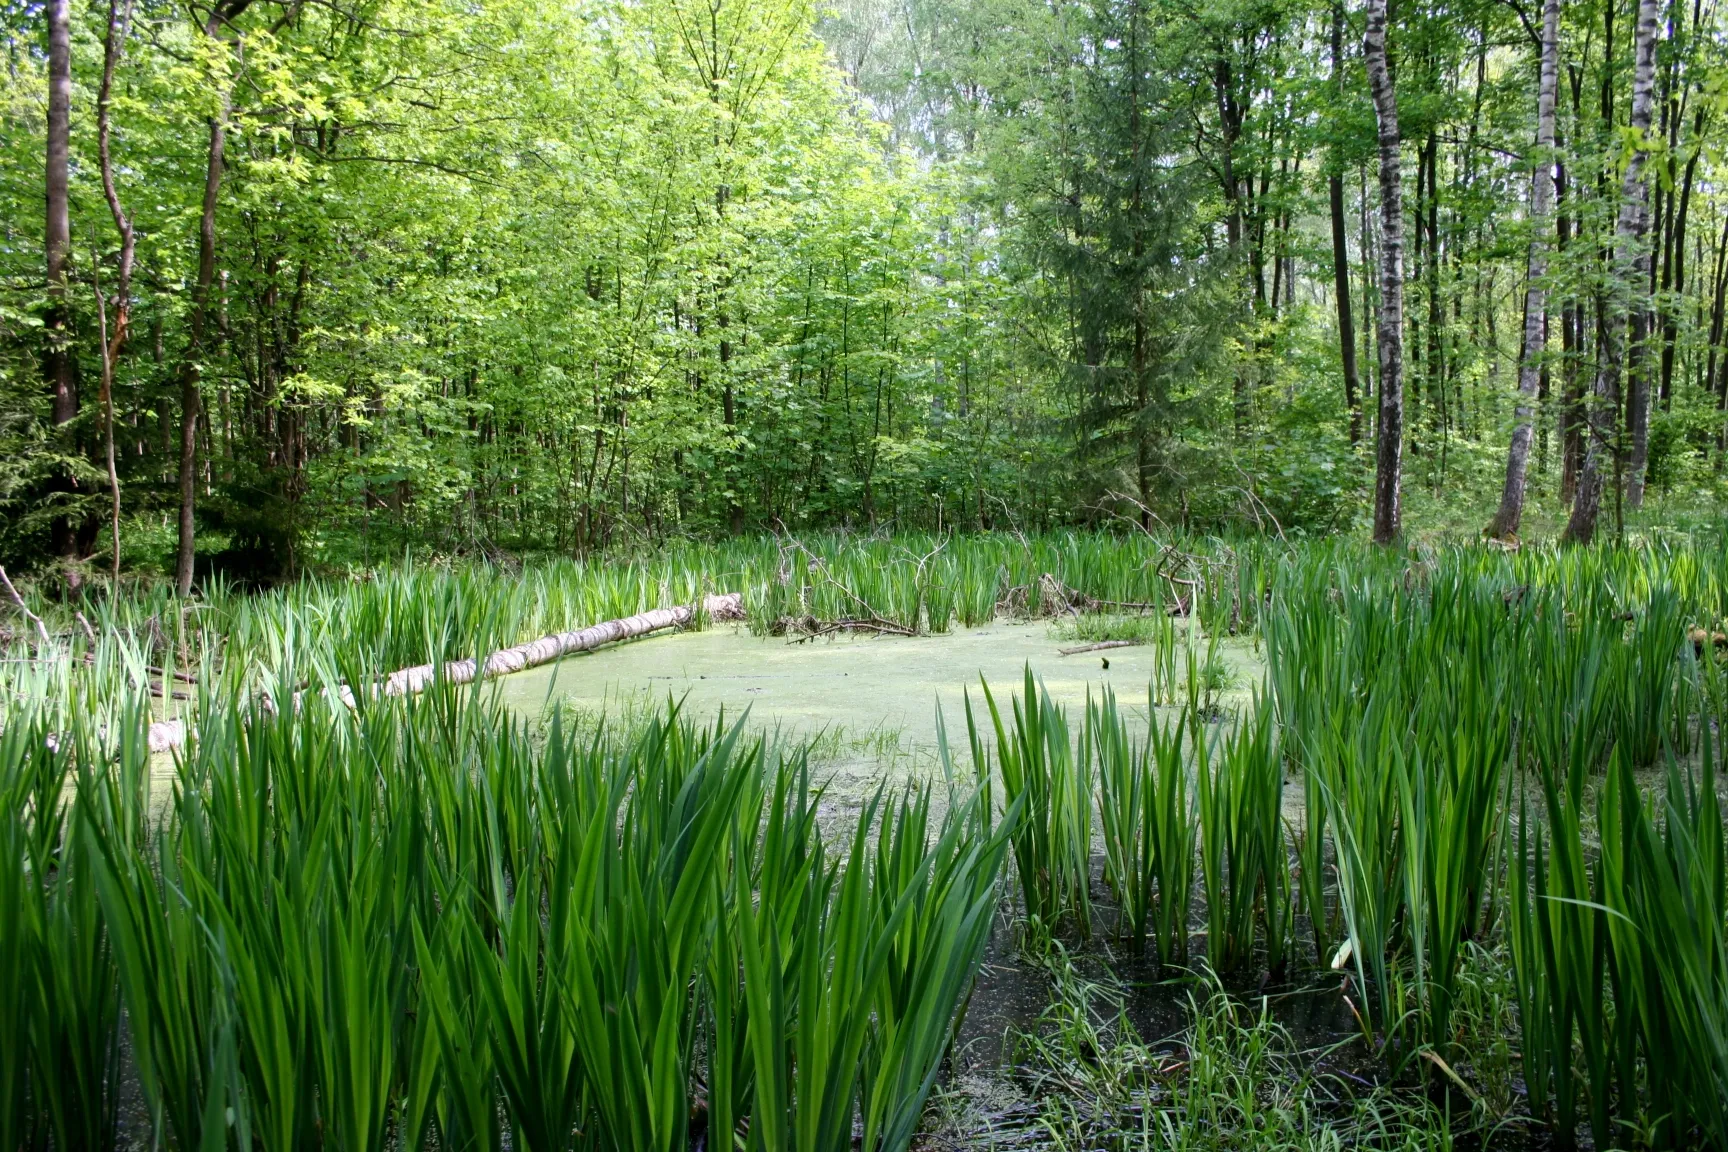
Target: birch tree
1506, 520
1389, 447
1626, 286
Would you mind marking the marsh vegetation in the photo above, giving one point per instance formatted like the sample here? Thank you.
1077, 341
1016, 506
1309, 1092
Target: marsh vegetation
1445, 865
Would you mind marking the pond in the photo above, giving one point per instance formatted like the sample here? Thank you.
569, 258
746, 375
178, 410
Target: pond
860, 686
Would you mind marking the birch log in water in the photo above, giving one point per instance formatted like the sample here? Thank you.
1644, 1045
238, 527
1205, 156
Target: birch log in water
549, 648
167, 734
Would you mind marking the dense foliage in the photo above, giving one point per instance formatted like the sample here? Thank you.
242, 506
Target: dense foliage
558, 276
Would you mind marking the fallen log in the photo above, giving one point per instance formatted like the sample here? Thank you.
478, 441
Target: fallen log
550, 648
1098, 647
168, 734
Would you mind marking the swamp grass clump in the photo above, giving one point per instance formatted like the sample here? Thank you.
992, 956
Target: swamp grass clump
1048, 783
1619, 955
1503, 783
413, 923
1148, 833
1086, 1075
1100, 627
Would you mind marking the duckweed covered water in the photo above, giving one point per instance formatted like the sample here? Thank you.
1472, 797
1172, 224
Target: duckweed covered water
857, 685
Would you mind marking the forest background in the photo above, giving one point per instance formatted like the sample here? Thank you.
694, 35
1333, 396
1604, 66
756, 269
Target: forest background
329, 279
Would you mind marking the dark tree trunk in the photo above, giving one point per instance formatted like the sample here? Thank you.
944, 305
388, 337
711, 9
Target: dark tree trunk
1628, 280
192, 369
1341, 255
1142, 391
1346, 322
1674, 267
1388, 470
1505, 524
1434, 356
1718, 305
1231, 116
218, 25
1571, 322
59, 360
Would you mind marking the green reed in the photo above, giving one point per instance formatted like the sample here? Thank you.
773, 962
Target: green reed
1050, 783
414, 924
1126, 788
1239, 790
1622, 959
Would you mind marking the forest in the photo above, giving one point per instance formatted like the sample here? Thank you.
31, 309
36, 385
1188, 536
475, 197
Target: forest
330, 282
885, 576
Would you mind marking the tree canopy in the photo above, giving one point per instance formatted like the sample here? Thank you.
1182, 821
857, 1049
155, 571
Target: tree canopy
561, 276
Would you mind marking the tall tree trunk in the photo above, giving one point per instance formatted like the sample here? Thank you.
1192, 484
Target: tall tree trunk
1637, 399
1640, 364
1389, 459
219, 25
59, 360
1571, 312
1341, 252
1718, 309
1369, 251
1505, 524
1417, 367
1627, 281
1434, 381
113, 44
1674, 267
192, 369
1142, 392
1231, 116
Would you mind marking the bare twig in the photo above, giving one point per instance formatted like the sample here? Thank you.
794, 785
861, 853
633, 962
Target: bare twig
810, 628
869, 619
41, 628
1013, 524
1247, 489
1071, 601
1145, 511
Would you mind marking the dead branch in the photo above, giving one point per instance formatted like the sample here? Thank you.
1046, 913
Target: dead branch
810, 628
868, 620
41, 628
1099, 646
1072, 601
